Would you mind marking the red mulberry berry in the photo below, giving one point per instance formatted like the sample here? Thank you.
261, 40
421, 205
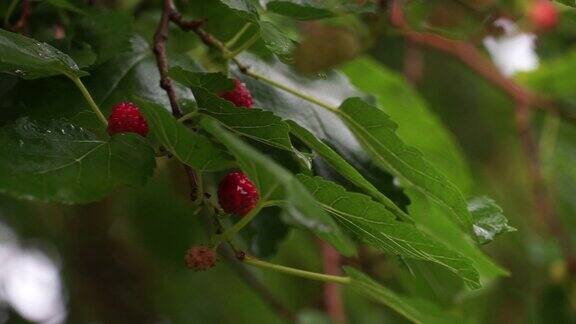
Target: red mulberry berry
240, 96
237, 194
127, 118
544, 14
200, 258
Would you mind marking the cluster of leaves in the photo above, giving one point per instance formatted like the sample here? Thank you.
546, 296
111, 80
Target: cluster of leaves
341, 152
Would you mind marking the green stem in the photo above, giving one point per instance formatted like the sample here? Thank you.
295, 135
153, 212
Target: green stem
189, 115
9, 12
244, 46
229, 233
238, 35
292, 91
89, 99
296, 272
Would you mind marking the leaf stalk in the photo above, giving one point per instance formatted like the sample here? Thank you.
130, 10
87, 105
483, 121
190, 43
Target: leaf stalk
89, 99
296, 272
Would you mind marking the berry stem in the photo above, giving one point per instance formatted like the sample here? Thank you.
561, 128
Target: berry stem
89, 99
186, 117
243, 47
296, 272
291, 90
238, 35
229, 233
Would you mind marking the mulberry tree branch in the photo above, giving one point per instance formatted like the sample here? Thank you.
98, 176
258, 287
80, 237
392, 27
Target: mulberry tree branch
171, 14
160, 40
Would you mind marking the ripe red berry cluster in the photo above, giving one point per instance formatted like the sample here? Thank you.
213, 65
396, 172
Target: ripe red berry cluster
544, 15
200, 258
237, 194
127, 118
240, 96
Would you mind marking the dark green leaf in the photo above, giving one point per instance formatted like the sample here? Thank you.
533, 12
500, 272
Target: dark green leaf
415, 310
65, 4
108, 33
244, 8
213, 82
377, 133
187, 146
29, 59
259, 125
274, 182
373, 224
316, 9
301, 9
133, 73
59, 161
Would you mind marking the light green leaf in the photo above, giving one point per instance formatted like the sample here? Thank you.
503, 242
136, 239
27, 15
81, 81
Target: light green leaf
59, 161
29, 59
274, 182
431, 217
489, 220
553, 79
373, 224
277, 41
415, 310
377, 133
344, 168
187, 146
406, 108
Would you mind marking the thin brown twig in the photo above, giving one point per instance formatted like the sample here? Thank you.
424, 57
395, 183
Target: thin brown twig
525, 101
22, 24
413, 62
195, 26
160, 40
332, 292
